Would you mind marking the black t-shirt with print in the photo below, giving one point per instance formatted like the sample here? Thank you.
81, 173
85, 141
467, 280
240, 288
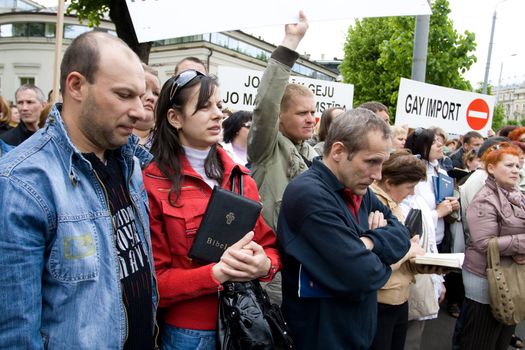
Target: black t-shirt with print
135, 273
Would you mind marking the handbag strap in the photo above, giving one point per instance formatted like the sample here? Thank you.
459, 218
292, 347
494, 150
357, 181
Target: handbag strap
493, 253
237, 174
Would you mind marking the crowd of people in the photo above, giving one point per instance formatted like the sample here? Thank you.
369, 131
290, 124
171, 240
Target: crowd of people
104, 192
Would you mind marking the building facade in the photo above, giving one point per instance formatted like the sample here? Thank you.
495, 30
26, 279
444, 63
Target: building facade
512, 97
27, 49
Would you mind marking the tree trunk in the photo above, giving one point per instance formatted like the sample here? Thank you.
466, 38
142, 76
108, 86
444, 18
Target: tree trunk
119, 14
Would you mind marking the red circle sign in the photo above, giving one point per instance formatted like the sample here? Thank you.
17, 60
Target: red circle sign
478, 114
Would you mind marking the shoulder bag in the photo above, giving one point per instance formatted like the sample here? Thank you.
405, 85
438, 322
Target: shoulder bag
247, 319
506, 287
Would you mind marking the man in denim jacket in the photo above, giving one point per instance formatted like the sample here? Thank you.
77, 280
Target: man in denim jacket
76, 267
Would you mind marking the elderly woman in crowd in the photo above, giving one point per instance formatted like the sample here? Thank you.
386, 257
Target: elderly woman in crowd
498, 210
399, 137
395, 185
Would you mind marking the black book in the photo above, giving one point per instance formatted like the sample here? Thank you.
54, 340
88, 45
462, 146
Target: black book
228, 217
414, 222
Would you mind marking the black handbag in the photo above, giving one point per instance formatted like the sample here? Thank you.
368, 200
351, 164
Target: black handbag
246, 318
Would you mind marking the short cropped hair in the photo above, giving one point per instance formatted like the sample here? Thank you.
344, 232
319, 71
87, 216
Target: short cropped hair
291, 91
374, 106
352, 128
39, 93
394, 169
191, 59
495, 154
471, 135
83, 56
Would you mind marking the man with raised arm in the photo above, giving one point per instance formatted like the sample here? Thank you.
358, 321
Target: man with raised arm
283, 120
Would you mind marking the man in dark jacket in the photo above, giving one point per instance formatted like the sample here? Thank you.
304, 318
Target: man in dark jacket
471, 140
337, 239
30, 101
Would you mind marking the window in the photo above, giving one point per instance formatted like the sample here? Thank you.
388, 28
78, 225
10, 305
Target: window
19, 29
50, 30
71, 31
27, 80
6, 30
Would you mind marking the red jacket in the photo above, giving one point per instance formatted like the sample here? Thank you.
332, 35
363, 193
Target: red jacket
187, 288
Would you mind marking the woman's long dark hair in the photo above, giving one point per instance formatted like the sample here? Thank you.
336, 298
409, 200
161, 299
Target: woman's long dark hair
420, 142
233, 124
167, 148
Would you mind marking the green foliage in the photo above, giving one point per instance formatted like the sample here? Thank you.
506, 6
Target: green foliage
498, 120
378, 53
91, 10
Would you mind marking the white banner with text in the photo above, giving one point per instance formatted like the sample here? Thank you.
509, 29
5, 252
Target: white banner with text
239, 87
455, 111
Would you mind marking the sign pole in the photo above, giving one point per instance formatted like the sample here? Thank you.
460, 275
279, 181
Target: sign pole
58, 49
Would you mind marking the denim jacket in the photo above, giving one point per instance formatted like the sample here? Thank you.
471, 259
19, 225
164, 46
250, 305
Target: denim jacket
59, 270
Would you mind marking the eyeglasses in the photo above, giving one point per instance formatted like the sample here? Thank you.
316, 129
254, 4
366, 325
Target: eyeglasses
182, 80
247, 125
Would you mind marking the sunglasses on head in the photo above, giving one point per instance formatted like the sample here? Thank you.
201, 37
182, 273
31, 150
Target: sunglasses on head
182, 80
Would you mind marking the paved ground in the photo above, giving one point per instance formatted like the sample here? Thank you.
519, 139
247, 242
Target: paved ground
438, 332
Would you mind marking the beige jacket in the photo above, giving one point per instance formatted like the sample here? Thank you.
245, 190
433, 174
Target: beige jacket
397, 288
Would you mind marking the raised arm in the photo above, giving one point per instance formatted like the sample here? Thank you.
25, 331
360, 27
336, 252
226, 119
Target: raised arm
265, 125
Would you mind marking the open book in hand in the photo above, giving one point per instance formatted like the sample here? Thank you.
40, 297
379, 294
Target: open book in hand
452, 260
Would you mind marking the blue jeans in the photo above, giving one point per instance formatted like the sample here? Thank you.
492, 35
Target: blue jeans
174, 338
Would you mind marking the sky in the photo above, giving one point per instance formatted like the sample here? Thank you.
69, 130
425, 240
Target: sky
325, 40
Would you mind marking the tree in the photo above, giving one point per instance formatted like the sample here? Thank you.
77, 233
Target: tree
378, 53
95, 10
498, 119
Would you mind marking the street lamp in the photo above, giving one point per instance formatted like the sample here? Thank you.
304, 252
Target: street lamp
499, 79
487, 68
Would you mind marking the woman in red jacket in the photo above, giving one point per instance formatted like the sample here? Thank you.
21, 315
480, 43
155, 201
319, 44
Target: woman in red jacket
187, 164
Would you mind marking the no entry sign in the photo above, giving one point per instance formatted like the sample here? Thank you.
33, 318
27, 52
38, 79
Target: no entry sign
478, 114
455, 111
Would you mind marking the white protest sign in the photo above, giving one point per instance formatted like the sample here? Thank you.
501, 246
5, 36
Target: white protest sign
166, 19
455, 111
239, 87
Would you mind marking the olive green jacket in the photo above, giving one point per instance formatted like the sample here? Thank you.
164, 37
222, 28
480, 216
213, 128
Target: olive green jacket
274, 158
